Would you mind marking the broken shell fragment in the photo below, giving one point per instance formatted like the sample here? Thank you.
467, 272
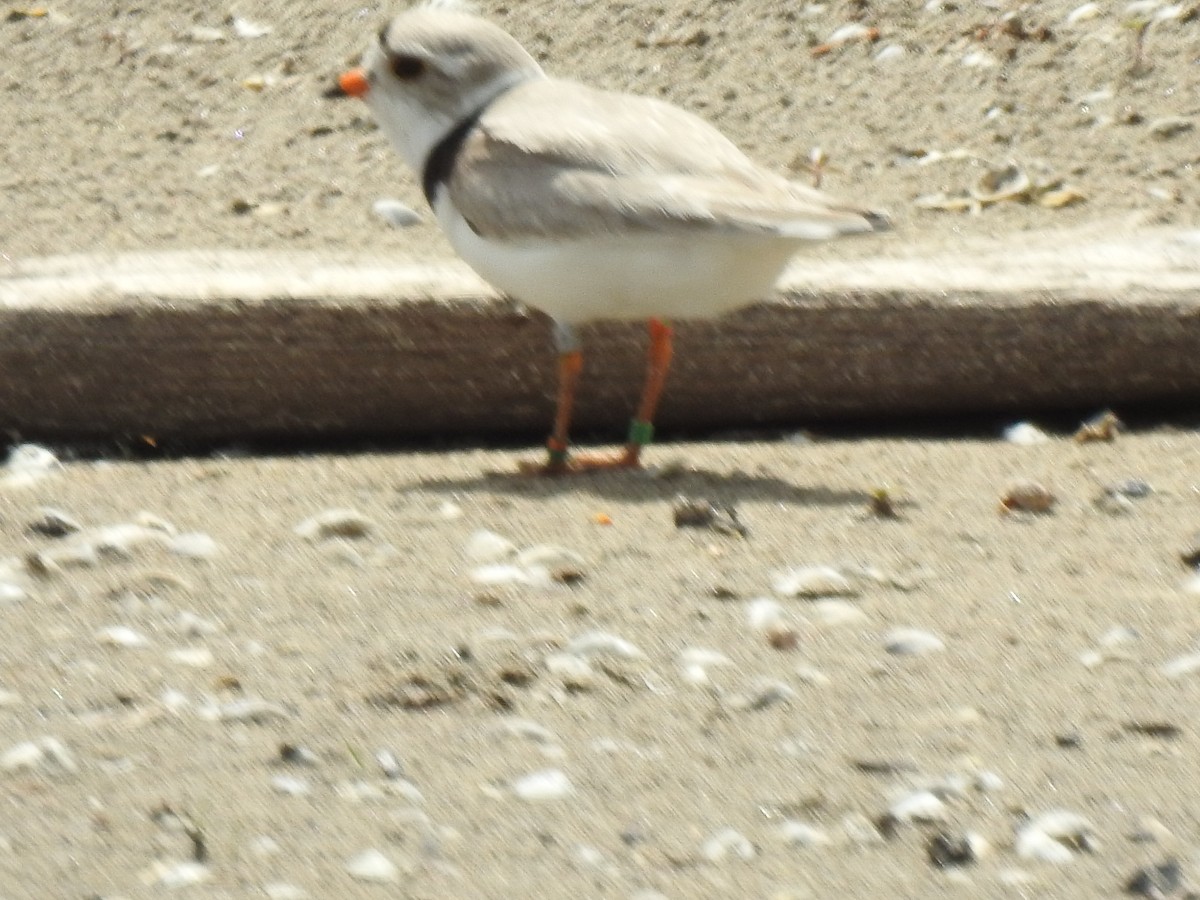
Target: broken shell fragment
1027, 496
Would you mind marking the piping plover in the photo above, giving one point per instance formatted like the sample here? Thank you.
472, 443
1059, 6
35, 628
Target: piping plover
586, 204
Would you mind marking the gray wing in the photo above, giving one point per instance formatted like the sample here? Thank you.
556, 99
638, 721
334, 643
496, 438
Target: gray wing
558, 159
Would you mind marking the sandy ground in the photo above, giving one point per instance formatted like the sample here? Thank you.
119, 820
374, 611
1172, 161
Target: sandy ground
271, 706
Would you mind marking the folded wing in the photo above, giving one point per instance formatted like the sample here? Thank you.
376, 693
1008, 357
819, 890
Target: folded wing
557, 159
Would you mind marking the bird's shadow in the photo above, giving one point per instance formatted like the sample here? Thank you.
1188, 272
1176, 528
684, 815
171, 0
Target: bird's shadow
651, 486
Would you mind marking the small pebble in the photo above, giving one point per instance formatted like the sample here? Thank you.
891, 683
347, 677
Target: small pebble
1170, 127
335, 523
763, 693
1157, 881
51, 522
947, 850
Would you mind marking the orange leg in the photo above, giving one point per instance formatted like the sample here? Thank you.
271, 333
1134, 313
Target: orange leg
641, 429
658, 363
570, 364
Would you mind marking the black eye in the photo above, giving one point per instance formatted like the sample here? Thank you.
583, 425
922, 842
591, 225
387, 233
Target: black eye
407, 68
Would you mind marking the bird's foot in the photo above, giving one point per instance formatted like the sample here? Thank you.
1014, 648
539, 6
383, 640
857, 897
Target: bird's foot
559, 463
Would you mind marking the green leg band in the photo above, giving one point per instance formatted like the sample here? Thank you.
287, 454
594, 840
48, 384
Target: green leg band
558, 455
641, 433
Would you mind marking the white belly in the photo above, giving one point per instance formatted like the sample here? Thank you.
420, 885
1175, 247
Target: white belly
670, 276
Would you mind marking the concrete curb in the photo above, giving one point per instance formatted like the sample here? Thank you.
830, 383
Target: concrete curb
213, 344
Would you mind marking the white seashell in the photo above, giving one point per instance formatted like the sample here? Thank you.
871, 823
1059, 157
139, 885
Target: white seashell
890, 52
44, 752
9, 698
763, 613
120, 636
801, 834
176, 875
192, 625
837, 612
573, 671
204, 34
373, 866
988, 782
25, 755
810, 675
912, 642
248, 709
921, 806
505, 573
1025, 434
548, 784
485, 546
813, 581
728, 843
601, 643
1191, 584
763, 693
1009, 182
11, 592
121, 540
850, 32
1171, 13
248, 30
282, 890
700, 656
1083, 13
1054, 837
194, 545
549, 557
978, 59
527, 729
860, 831
335, 523
149, 520
27, 464
1142, 7
395, 213
1181, 665
290, 785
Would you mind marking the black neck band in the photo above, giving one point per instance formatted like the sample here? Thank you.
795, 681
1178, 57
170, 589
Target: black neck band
439, 165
